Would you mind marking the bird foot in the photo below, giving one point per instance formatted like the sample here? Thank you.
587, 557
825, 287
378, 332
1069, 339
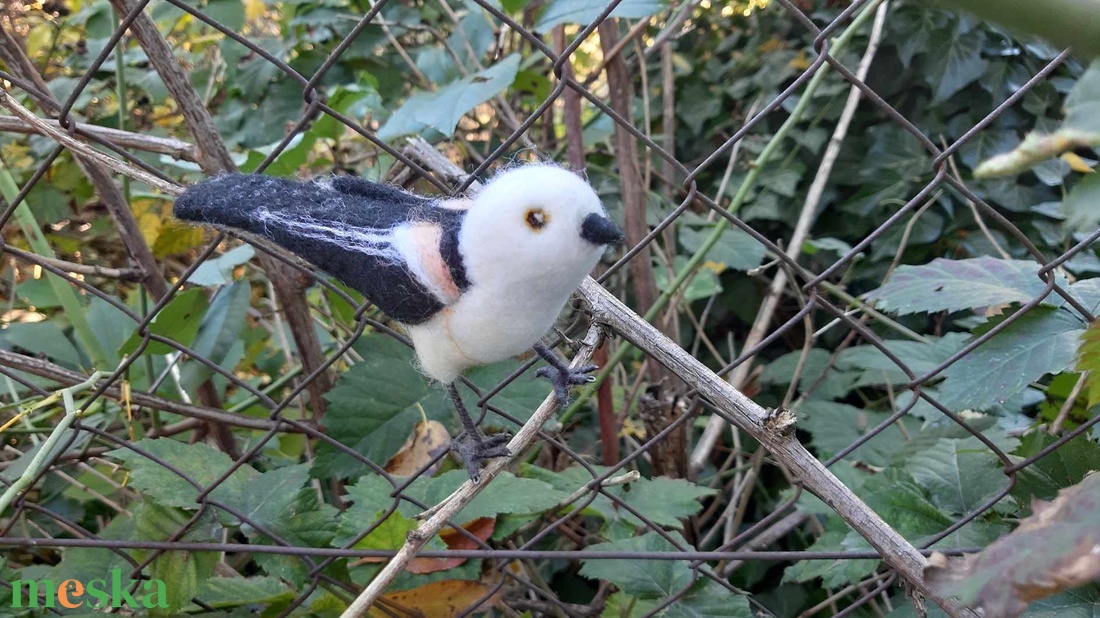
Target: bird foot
475, 448
564, 379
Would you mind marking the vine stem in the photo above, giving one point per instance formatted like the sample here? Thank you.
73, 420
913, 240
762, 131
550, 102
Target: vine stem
65, 395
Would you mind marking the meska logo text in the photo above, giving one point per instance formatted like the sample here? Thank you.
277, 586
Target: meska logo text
97, 594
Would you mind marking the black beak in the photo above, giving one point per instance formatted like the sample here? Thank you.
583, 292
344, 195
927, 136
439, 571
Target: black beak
599, 230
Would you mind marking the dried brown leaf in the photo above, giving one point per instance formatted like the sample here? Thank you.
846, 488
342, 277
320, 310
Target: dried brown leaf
1055, 549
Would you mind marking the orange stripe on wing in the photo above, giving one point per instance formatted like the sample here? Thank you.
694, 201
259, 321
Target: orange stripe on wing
425, 238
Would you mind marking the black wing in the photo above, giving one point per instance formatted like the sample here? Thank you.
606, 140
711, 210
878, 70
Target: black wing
344, 225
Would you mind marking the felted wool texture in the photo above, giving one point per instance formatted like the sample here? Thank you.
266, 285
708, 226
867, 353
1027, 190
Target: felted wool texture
520, 278
473, 282
346, 226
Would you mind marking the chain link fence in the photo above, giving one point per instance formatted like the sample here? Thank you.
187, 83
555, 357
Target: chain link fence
685, 428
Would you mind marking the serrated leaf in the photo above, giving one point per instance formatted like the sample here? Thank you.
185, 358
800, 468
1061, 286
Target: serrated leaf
200, 462
647, 579
230, 592
179, 321
954, 285
1051, 551
584, 11
1064, 466
664, 501
507, 494
1040, 342
835, 426
708, 599
219, 270
372, 408
281, 503
442, 109
180, 573
959, 475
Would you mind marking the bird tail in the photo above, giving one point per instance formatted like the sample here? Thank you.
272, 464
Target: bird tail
233, 200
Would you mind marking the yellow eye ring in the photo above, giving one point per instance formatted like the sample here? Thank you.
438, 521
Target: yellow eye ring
536, 218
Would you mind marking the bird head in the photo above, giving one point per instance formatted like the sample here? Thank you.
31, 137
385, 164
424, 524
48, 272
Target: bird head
537, 222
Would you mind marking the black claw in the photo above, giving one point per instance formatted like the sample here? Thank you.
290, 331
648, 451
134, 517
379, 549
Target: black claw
565, 379
474, 449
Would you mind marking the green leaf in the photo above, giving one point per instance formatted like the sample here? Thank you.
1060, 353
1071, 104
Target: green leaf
835, 426
42, 338
1082, 204
178, 321
230, 592
441, 110
1040, 342
507, 494
954, 285
1064, 466
584, 11
959, 475
708, 599
664, 501
1088, 360
219, 332
229, 12
874, 368
110, 325
735, 248
373, 406
219, 271
281, 502
181, 572
955, 62
648, 579
201, 462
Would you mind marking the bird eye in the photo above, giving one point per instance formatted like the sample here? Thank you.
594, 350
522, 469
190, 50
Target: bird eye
536, 219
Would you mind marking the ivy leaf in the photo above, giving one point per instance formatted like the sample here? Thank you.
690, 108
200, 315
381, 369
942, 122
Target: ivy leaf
1040, 342
954, 285
1082, 204
652, 579
201, 462
441, 110
584, 11
955, 62
1051, 551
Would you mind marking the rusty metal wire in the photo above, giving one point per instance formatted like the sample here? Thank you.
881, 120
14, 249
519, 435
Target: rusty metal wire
817, 299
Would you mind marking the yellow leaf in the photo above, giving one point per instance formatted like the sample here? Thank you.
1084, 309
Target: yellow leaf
176, 238
149, 224
443, 599
1077, 164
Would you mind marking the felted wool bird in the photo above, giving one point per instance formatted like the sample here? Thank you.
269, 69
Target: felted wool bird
474, 281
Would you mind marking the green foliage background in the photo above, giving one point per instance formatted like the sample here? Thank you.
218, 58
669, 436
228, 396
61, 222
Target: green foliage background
937, 279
